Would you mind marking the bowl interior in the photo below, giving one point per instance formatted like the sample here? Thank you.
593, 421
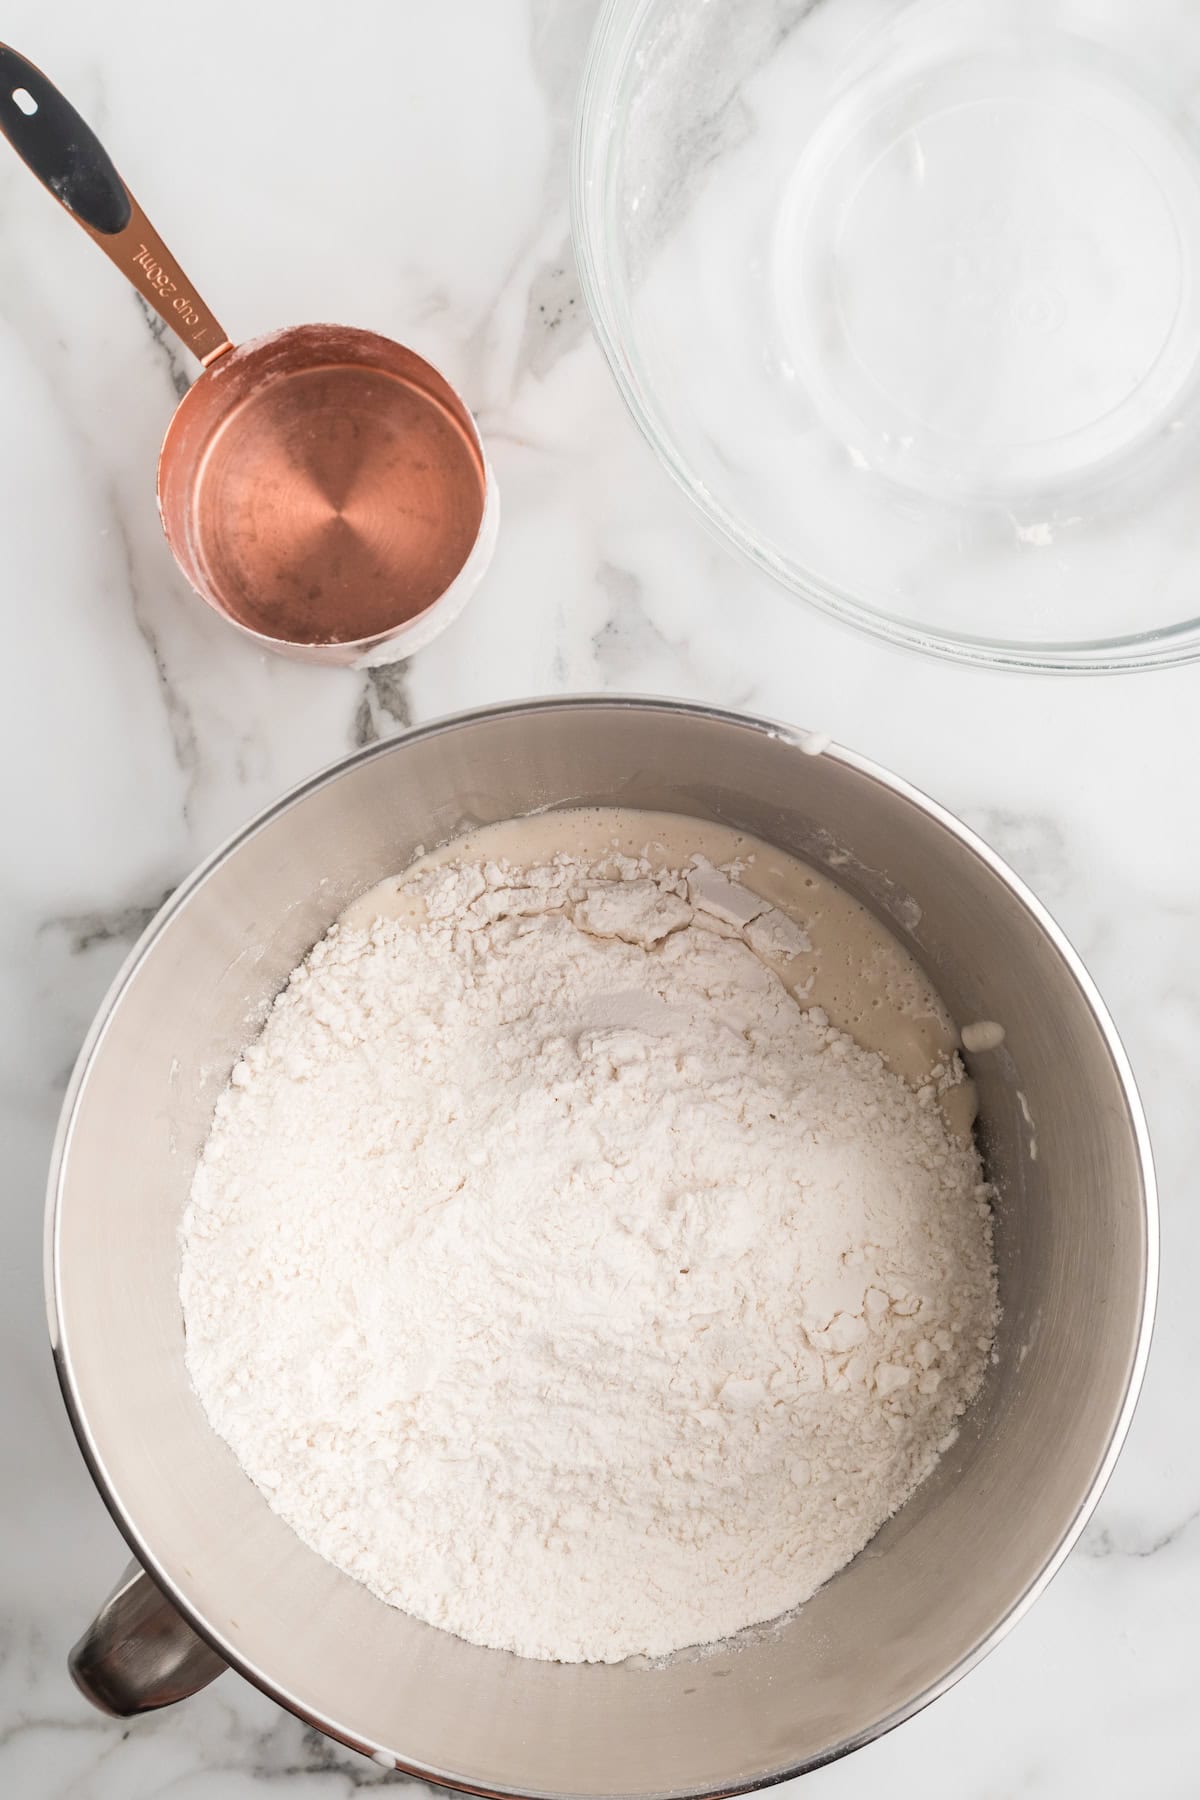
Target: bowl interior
323, 541
905, 294
1062, 1135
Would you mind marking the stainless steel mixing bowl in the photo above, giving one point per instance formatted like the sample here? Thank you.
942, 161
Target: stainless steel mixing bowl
1065, 1140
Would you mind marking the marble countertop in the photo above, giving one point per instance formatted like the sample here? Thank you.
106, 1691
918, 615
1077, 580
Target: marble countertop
404, 168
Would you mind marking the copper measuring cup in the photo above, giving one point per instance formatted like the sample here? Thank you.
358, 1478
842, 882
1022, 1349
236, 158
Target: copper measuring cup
323, 488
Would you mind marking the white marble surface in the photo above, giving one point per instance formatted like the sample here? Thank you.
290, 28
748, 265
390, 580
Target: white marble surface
404, 167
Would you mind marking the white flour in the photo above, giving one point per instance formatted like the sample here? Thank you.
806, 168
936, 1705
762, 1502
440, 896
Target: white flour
556, 1275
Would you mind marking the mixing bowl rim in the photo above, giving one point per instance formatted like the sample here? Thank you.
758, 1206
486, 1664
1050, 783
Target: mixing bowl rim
610, 46
807, 743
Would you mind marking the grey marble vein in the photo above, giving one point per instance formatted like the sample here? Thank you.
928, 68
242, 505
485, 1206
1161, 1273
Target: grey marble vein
555, 318
178, 714
1104, 1540
168, 346
106, 925
385, 705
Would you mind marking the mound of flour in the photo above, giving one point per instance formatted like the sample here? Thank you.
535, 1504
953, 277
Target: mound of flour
556, 1275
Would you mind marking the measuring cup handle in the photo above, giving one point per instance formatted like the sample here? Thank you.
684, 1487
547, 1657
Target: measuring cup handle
71, 163
61, 148
138, 1653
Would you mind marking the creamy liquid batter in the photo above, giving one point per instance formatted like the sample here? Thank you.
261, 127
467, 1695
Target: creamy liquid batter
857, 971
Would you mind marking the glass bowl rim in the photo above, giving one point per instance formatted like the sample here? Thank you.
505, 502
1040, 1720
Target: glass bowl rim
613, 41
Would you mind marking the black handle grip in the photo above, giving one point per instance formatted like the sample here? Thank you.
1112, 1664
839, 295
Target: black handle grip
62, 150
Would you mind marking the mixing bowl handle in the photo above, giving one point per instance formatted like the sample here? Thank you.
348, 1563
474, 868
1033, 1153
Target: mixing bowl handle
71, 163
138, 1653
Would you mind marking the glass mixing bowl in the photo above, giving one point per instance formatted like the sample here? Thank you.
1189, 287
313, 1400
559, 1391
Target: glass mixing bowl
906, 295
